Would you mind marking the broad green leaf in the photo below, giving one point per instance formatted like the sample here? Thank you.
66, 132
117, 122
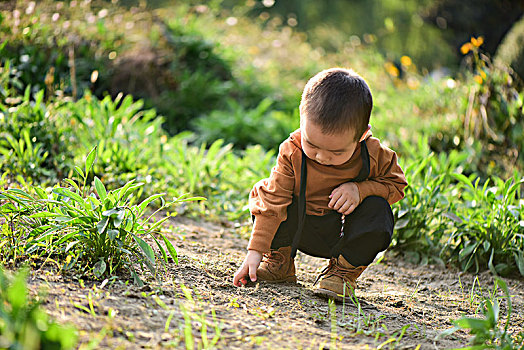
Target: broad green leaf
119, 218
45, 214
111, 212
66, 193
100, 189
401, 223
79, 172
102, 225
170, 249
146, 248
463, 179
472, 323
148, 200
99, 268
112, 234
41, 193
74, 184
467, 250
20, 192
65, 237
94, 201
124, 189
136, 279
156, 224
90, 160
519, 260
8, 208
490, 263
453, 217
70, 245
162, 250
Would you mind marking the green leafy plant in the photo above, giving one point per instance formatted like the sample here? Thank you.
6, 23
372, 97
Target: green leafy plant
32, 142
215, 172
103, 229
488, 227
23, 323
420, 216
243, 127
128, 137
487, 332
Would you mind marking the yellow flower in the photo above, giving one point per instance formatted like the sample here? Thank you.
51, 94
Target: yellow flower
405, 61
483, 74
465, 48
391, 69
477, 42
478, 79
163, 139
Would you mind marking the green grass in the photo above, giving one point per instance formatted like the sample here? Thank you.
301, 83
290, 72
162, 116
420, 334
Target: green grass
486, 331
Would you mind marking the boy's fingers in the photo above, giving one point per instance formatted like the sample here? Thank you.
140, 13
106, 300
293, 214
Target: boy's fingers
339, 204
350, 209
347, 204
253, 273
239, 275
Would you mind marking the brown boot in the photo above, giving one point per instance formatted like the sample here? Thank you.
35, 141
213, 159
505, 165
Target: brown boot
277, 266
338, 279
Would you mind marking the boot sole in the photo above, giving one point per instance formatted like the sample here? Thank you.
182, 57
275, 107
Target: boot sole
326, 293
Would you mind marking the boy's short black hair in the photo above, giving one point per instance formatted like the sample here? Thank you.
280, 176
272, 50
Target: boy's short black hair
337, 99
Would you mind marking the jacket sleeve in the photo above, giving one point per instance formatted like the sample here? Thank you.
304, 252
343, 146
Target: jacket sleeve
269, 199
386, 178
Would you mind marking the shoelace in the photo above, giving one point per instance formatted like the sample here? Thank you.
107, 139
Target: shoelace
334, 269
274, 257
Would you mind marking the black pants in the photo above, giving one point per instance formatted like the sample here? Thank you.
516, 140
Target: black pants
367, 231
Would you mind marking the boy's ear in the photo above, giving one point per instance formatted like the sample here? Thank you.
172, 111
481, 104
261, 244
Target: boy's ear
364, 133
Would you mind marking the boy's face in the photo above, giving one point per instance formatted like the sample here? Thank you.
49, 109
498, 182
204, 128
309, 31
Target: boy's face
327, 149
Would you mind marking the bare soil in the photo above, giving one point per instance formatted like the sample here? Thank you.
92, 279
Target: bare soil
403, 306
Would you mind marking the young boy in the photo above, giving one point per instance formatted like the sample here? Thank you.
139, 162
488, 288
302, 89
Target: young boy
341, 211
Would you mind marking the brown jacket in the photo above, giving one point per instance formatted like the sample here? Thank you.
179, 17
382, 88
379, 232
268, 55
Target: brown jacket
269, 198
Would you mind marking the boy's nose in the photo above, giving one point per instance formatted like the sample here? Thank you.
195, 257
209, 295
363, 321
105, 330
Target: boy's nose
320, 158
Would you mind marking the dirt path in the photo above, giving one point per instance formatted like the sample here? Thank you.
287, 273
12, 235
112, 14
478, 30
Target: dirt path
409, 305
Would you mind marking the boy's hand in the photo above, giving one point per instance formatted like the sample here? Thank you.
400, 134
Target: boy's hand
345, 198
249, 268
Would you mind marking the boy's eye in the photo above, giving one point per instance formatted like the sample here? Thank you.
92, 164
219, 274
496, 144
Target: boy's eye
338, 153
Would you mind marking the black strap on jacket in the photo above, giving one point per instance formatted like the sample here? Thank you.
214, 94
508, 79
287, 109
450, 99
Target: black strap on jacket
362, 175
